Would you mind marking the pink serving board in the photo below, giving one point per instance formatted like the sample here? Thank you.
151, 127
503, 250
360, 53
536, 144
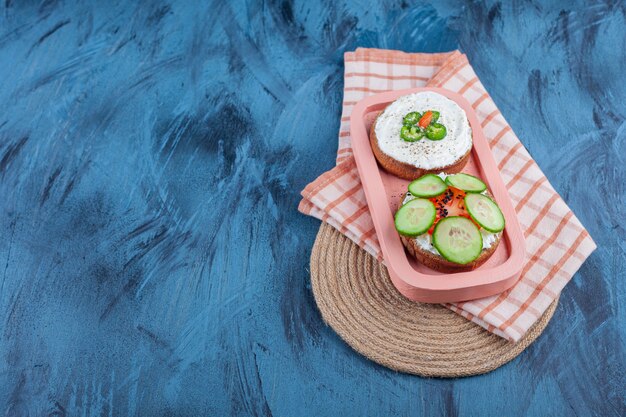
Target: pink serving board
383, 192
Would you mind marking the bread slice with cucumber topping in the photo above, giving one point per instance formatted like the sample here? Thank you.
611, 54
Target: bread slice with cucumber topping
421, 133
449, 223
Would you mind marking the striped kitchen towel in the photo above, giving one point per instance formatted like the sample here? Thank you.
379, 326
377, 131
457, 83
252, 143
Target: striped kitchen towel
556, 242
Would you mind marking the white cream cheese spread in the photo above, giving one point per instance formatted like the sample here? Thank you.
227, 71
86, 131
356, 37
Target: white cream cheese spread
424, 153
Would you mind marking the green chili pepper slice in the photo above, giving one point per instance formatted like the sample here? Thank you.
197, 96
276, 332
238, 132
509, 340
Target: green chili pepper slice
411, 133
436, 131
411, 119
435, 116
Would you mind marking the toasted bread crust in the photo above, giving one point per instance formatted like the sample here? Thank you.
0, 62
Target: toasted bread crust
439, 263
407, 171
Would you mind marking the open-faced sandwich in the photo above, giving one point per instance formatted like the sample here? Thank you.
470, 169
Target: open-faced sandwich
421, 133
449, 223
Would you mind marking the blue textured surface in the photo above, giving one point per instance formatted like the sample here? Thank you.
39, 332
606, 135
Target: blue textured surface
152, 261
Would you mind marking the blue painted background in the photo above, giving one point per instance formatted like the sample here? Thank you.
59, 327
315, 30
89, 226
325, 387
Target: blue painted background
152, 261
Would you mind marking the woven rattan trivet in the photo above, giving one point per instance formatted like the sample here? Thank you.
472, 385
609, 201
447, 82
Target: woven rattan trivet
357, 299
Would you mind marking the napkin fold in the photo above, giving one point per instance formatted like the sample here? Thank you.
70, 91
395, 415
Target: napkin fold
556, 242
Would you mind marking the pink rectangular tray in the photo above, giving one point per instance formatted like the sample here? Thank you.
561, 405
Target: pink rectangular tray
383, 192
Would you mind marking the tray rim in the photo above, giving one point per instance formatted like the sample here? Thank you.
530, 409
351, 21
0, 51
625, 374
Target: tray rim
457, 286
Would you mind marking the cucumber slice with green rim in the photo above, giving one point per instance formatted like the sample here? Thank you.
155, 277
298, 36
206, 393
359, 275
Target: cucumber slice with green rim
485, 212
466, 182
415, 217
457, 239
429, 185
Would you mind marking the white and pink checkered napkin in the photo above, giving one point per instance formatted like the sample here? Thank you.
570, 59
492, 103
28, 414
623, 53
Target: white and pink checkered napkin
557, 244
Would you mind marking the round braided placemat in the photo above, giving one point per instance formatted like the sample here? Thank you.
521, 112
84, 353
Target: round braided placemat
357, 299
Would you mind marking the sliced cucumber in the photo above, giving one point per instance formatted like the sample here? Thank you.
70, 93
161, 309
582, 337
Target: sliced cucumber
429, 185
466, 182
457, 239
415, 217
485, 212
